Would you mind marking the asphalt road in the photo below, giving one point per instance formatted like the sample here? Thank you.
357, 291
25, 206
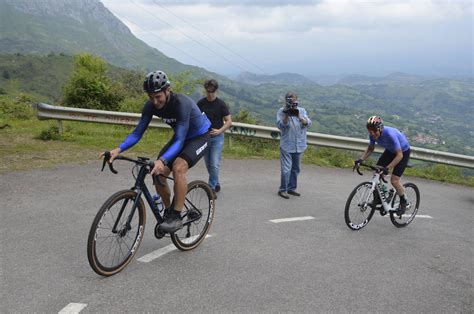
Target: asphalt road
249, 264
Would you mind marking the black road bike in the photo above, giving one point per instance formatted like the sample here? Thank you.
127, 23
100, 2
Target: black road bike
119, 226
367, 197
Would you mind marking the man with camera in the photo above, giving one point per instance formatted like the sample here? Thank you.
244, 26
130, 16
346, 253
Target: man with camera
293, 122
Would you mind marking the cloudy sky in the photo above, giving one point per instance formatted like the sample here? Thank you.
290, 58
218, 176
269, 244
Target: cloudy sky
313, 38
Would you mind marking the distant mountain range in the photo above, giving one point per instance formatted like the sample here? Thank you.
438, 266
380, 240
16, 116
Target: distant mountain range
397, 78
281, 78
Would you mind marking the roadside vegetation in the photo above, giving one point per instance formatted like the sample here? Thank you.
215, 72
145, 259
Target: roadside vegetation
28, 143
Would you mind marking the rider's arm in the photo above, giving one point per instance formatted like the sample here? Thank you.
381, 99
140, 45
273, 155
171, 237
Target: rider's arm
368, 152
180, 131
137, 134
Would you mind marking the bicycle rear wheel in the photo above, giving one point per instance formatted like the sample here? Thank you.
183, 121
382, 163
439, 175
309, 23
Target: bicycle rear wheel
359, 206
198, 214
112, 242
413, 197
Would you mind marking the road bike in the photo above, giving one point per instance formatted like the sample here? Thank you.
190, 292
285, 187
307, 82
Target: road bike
367, 197
119, 226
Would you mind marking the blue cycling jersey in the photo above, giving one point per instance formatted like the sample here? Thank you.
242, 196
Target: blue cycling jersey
181, 113
392, 140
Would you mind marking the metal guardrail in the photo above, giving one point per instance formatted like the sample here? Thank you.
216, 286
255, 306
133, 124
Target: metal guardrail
45, 111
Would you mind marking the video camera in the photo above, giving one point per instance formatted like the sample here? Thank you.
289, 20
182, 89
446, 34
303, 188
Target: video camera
291, 107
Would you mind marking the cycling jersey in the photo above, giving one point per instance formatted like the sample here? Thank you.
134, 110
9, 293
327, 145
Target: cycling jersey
392, 140
181, 113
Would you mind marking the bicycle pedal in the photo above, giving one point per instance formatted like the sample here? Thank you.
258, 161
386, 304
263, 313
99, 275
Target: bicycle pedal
158, 233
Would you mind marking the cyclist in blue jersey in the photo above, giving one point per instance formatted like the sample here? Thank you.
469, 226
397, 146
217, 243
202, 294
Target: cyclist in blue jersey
395, 156
184, 150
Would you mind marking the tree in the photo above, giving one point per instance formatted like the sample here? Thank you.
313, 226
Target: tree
89, 86
244, 116
183, 83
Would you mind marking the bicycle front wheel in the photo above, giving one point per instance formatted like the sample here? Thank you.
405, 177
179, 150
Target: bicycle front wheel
413, 198
360, 206
198, 214
112, 240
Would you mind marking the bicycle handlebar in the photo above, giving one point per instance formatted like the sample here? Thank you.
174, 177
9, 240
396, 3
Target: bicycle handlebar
378, 169
140, 161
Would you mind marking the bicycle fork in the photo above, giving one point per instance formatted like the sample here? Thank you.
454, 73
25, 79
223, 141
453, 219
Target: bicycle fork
127, 227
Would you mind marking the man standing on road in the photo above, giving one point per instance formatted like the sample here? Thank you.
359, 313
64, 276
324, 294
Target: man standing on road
218, 112
293, 123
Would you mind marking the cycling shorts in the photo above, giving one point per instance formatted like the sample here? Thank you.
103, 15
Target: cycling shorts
193, 150
387, 158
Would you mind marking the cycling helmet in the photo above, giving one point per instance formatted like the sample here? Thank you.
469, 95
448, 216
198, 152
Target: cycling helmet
155, 82
375, 123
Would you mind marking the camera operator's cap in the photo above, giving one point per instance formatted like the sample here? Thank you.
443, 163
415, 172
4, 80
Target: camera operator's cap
290, 94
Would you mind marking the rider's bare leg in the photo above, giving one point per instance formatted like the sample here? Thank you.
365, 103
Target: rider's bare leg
163, 189
395, 180
180, 170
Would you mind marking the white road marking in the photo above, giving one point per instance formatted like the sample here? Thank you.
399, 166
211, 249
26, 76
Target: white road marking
417, 216
291, 219
73, 308
164, 250
423, 216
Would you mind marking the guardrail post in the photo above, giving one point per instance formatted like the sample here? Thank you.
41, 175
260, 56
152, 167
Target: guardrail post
60, 127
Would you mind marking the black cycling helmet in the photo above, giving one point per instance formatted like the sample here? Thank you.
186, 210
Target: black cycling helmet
375, 123
155, 82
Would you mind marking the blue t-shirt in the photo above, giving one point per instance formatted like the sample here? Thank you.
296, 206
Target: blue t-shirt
392, 140
181, 113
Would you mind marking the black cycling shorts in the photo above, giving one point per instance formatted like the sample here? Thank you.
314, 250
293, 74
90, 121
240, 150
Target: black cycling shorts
387, 158
193, 150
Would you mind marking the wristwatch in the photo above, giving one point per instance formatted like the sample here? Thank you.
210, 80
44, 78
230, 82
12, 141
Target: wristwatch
163, 161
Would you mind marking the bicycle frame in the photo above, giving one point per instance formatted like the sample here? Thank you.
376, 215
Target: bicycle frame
376, 185
141, 189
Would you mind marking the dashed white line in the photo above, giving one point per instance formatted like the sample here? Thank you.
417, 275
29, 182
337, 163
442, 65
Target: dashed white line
155, 254
291, 219
73, 308
423, 216
164, 250
417, 216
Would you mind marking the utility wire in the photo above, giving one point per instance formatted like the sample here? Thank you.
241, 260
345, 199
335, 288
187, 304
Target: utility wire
208, 36
186, 35
168, 43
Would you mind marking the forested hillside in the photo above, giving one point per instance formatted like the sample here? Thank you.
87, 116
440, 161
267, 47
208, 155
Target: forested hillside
76, 26
434, 113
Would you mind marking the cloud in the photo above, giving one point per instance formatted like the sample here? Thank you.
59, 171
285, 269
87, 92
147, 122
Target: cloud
311, 30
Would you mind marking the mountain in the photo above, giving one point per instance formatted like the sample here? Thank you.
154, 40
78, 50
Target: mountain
397, 78
73, 26
281, 78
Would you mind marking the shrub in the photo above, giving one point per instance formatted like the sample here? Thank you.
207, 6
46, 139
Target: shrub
20, 108
89, 86
51, 134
